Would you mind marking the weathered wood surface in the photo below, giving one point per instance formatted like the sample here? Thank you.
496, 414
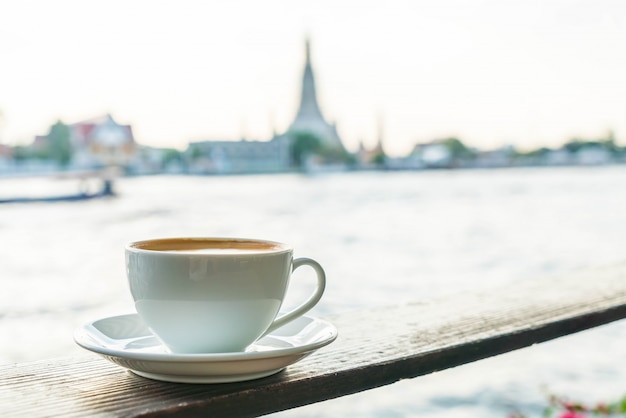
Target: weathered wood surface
375, 347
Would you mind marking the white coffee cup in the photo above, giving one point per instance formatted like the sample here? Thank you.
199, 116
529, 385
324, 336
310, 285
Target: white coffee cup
210, 295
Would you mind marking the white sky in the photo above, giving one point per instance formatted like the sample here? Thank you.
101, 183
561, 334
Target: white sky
491, 72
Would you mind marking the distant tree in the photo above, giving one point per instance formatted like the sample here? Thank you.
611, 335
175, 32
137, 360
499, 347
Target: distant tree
458, 150
304, 144
172, 155
576, 144
336, 155
195, 152
610, 144
539, 152
379, 159
20, 153
59, 147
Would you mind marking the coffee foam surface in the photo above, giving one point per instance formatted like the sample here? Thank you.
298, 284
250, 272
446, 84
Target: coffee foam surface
208, 246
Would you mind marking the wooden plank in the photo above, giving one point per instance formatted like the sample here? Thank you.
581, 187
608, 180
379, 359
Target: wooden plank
375, 347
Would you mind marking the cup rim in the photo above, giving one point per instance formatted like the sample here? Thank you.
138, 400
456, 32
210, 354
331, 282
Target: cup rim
137, 246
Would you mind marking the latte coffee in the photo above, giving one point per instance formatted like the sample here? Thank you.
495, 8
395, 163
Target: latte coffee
210, 245
210, 295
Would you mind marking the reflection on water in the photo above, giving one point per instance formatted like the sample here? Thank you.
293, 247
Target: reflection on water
384, 238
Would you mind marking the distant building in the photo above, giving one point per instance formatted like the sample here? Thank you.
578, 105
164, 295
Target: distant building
6, 157
309, 117
558, 157
6, 152
226, 157
246, 156
432, 155
500, 157
593, 156
102, 142
372, 157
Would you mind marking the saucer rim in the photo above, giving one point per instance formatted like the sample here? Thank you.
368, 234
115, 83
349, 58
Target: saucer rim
84, 337
204, 379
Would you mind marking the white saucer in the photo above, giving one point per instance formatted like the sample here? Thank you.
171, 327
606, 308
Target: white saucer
126, 340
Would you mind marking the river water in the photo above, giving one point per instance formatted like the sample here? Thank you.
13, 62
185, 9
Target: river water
383, 237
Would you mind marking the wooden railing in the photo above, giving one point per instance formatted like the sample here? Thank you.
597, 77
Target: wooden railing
374, 348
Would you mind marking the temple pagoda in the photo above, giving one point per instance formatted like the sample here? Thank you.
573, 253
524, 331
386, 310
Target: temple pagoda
309, 117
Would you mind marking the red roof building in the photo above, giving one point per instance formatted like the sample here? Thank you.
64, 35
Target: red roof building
102, 142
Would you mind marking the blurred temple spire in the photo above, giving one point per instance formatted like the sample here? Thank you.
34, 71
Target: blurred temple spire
308, 50
308, 99
309, 117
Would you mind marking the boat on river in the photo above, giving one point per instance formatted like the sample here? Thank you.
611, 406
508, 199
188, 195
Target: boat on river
106, 190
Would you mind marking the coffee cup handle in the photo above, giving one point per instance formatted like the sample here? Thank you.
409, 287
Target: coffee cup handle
310, 302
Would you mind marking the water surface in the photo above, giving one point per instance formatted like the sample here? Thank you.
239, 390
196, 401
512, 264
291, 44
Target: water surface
383, 237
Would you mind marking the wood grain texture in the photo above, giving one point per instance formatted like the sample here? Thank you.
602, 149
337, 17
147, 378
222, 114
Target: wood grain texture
374, 348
